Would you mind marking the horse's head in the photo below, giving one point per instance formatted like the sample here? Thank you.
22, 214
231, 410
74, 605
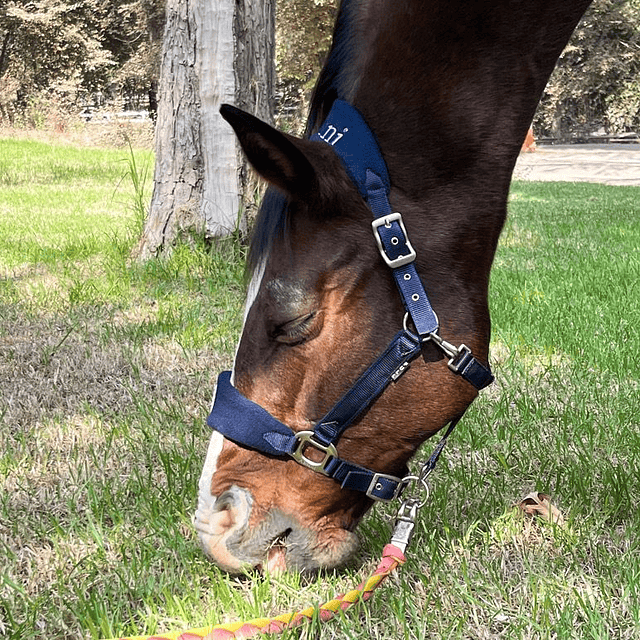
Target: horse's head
321, 307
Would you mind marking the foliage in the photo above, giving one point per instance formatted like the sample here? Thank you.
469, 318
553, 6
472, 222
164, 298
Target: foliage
72, 55
303, 37
64, 50
54, 54
596, 82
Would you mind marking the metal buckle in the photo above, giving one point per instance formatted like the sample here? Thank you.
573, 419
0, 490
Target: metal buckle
374, 484
304, 439
400, 261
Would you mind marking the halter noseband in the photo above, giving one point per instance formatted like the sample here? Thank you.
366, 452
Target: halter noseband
248, 424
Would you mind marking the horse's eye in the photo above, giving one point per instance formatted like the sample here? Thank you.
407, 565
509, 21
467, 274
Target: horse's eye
296, 331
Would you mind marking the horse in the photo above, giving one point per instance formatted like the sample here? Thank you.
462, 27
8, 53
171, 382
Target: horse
431, 101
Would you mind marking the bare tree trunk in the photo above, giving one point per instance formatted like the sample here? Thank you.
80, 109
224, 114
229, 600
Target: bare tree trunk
179, 167
220, 191
213, 52
254, 29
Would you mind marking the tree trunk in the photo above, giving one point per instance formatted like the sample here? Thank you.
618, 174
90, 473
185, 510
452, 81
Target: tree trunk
213, 52
255, 71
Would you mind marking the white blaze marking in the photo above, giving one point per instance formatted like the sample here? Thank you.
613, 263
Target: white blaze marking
252, 294
210, 463
206, 501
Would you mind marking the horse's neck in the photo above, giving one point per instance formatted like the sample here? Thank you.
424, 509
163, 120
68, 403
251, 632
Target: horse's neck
450, 88
457, 79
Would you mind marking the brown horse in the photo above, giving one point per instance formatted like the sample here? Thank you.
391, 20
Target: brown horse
448, 89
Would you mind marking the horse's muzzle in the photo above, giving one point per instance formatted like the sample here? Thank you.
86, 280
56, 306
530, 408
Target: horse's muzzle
277, 542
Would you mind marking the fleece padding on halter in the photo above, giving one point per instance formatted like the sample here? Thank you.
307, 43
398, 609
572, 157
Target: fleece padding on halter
346, 131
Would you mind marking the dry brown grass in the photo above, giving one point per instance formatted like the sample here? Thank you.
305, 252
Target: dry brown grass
103, 134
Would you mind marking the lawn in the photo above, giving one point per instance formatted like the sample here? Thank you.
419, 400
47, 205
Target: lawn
107, 370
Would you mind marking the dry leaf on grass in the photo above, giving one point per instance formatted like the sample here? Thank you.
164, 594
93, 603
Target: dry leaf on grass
539, 504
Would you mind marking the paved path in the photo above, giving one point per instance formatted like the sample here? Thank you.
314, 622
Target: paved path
617, 164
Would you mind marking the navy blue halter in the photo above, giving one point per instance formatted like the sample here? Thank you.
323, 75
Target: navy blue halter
248, 424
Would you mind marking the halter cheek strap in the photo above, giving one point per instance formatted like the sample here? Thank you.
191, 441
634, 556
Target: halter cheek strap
248, 424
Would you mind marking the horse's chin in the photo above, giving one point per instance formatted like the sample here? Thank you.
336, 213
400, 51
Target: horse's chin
278, 542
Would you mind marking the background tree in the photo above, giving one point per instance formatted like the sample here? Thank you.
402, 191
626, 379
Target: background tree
304, 29
70, 51
213, 52
72, 56
133, 31
596, 83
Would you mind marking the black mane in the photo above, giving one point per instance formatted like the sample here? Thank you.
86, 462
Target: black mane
331, 84
272, 219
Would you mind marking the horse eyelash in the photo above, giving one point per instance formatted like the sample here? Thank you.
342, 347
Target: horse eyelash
294, 331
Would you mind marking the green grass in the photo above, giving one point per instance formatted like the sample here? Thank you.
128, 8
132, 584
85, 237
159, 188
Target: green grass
108, 368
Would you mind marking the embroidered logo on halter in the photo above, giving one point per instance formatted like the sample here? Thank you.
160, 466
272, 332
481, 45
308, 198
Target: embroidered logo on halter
346, 131
332, 136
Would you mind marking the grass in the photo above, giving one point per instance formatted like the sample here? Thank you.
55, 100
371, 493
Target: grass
108, 368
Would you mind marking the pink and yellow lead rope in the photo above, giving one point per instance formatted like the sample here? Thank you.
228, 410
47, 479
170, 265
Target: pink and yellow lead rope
392, 557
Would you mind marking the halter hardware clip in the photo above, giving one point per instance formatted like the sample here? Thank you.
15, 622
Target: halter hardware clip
305, 440
405, 524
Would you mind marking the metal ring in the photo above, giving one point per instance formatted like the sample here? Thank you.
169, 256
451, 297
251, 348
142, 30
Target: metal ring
425, 486
413, 334
405, 326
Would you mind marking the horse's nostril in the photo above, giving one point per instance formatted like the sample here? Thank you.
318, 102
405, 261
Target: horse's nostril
229, 511
223, 520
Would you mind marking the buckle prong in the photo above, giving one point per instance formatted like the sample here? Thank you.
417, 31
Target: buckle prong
386, 221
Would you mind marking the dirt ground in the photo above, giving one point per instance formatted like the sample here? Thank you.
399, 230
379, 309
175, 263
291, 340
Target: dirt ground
615, 164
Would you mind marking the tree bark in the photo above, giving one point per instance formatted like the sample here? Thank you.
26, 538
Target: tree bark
213, 52
255, 75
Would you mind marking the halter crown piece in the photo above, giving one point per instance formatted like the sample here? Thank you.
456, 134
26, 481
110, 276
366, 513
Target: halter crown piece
249, 425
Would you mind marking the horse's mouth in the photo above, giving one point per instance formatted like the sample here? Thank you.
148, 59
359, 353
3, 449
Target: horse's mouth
277, 543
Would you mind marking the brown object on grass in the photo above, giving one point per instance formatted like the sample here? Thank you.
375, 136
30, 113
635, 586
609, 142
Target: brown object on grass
539, 504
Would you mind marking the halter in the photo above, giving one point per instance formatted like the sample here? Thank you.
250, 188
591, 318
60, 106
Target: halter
248, 424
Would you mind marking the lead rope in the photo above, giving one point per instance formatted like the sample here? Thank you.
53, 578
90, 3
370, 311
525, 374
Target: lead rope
392, 558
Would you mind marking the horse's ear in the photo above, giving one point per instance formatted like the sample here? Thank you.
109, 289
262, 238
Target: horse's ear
274, 155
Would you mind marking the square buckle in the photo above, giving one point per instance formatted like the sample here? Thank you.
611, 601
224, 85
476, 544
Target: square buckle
305, 440
375, 485
400, 261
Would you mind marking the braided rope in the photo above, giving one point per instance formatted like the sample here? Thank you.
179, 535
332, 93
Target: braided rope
392, 557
